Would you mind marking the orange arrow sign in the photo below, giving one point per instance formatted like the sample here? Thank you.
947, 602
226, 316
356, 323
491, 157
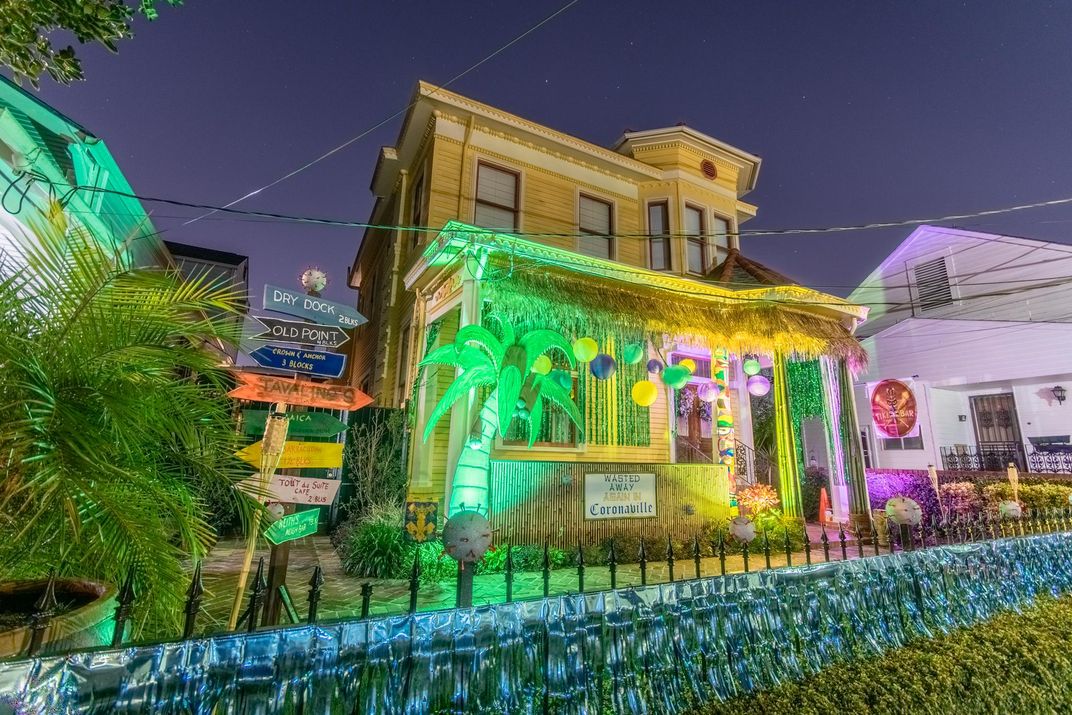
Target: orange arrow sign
298, 455
268, 388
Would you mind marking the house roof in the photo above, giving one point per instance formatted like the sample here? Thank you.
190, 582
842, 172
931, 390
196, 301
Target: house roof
739, 270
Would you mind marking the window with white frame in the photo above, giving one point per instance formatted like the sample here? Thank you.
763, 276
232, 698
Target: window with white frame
659, 236
496, 198
416, 213
595, 220
402, 375
695, 240
720, 236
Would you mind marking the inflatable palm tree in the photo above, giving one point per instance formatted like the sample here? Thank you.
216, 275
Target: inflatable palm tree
505, 364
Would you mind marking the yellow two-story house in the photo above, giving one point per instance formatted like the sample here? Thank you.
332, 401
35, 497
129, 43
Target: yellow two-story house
482, 212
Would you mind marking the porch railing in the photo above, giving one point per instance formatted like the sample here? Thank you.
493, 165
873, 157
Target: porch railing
996, 456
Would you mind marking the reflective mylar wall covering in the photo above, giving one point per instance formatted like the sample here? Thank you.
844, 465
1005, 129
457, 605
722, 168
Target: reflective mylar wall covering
644, 650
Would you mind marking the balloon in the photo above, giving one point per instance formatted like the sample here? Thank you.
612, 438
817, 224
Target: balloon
562, 378
584, 349
645, 393
689, 364
708, 392
676, 376
751, 366
654, 366
541, 365
633, 353
603, 366
758, 385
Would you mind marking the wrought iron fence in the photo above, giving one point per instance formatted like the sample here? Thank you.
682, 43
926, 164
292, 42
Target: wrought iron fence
996, 457
681, 565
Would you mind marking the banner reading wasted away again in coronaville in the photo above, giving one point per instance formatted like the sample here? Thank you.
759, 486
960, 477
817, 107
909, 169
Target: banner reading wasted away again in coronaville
617, 496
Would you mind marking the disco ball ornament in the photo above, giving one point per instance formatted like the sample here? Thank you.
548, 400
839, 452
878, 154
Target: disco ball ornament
541, 365
466, 537
633, 353
676, 376
584, 349
645, 393
751, 366
314, 279
1010, 509
689, 364
743, 529
708, 392
758, 385
904, 511
655, 367
603, 366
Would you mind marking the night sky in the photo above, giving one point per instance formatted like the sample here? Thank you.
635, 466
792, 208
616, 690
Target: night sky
861, 111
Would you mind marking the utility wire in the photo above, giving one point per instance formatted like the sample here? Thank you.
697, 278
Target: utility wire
392, 117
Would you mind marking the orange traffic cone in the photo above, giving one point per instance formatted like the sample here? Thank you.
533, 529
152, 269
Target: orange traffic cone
824, 505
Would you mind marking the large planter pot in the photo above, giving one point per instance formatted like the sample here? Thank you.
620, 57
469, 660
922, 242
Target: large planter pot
85, 617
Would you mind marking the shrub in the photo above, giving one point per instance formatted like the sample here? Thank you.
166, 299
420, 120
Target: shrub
883, 486
961, 499
1032, 496
375, 546
815, 479
1014, 663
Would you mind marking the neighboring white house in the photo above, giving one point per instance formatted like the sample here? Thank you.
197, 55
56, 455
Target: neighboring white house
978, 328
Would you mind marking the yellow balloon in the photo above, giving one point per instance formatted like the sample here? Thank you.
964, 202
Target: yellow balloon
541, 365
645, 393
689, 364
584, 349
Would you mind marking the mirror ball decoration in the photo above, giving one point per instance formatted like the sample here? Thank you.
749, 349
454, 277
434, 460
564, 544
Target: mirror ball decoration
676, 376
903, 511
541, 365
603, 366
584, 349
645, 393
1010, 509
758, 385
633, 353
655, 367
708, 392
314, 279
467, 537
751, 366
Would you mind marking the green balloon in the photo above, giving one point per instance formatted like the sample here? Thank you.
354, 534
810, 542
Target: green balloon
633, 353
676, 376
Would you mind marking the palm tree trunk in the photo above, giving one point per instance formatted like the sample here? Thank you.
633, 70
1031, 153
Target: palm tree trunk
470, 488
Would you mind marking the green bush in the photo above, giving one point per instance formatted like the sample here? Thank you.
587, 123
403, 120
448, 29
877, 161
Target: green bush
1032, 496
375, 546
815, 479
1014, 663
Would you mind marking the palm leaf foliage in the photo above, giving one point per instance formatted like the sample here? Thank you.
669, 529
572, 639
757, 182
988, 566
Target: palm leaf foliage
114, 422
501, 364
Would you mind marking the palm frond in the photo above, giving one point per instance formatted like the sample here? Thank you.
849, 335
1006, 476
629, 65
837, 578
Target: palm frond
468, 380
549, 389
539, 342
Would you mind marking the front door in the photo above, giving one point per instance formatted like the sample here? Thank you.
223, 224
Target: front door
997, 431
694, 428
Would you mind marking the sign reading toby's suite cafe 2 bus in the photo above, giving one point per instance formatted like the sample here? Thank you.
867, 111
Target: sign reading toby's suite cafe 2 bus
618, 496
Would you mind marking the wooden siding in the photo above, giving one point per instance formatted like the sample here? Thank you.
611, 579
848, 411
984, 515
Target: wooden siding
532, 501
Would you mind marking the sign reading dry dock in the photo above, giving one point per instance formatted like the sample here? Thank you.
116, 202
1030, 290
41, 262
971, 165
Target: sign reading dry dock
617, 496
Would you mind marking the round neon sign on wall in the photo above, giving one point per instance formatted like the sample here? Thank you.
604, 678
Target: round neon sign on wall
893, 408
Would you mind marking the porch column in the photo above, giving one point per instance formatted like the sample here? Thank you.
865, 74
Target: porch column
785, 443
859, 499
461, 417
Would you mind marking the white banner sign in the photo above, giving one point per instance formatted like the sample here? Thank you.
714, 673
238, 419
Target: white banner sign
296, 490
619, 496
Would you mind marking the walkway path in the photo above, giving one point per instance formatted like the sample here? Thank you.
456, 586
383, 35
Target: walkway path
341, 595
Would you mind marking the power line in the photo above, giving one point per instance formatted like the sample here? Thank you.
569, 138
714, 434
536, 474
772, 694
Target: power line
394, 116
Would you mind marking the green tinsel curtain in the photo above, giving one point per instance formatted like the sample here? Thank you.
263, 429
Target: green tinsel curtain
785, 442
806, 387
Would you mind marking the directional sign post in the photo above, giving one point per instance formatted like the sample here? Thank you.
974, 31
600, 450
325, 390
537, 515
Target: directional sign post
310, 362
293, 526
293, 331
288, 489
300, 305
269, 388
298, 455
302, 424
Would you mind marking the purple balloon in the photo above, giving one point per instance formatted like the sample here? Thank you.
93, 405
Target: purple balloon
708, 392
654, 366
758, 385
602, 366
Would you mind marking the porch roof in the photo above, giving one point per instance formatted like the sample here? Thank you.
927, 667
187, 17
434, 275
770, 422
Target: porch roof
580, 292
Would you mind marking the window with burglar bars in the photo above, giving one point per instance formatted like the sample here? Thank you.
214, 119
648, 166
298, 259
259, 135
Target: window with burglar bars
932, 285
